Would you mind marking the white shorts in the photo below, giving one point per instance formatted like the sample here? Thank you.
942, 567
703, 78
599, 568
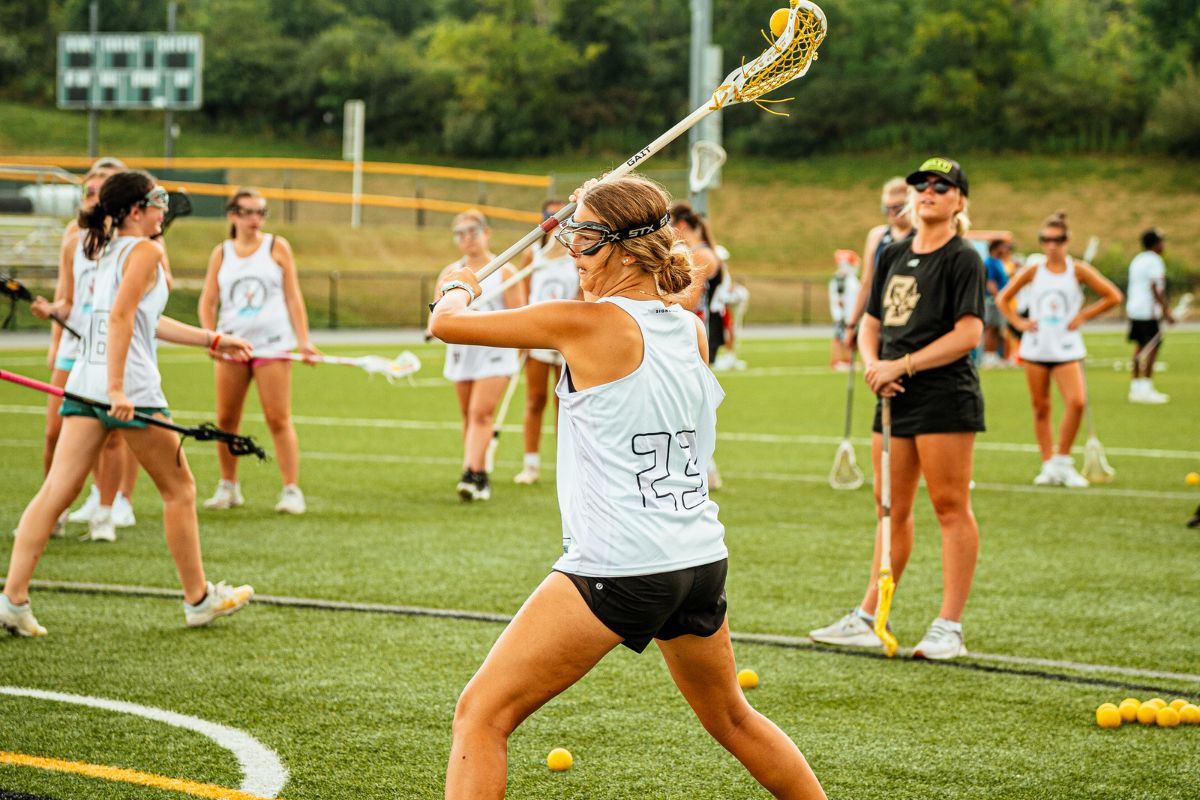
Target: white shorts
551, 357
470, 362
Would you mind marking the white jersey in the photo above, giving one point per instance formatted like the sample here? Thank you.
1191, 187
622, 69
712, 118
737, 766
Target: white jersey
554, 279
1145, 271
634, 454
843, 290
473, 362
1054, 300
252, 302
89, 376
84, 271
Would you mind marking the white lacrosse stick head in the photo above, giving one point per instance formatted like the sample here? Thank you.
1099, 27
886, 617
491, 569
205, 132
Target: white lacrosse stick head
707, 158
789, 56
401, 366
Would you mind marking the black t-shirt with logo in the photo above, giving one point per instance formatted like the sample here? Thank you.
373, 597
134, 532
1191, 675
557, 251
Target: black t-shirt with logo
919, 298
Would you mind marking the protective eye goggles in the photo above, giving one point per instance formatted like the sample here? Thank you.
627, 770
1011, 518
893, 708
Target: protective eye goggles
940, 186
157, 197
466, 232
589, 238
243, 211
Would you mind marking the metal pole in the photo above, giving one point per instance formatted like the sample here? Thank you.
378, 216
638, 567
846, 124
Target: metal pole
169, 119
333, 298
697, 90
93, 119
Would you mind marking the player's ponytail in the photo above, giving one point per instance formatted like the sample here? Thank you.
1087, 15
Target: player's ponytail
119, 194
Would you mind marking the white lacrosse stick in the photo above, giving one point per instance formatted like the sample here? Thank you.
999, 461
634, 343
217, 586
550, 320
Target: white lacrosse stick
489, 459
539, 261
1089, 252
707, 158
401, 366
786, 58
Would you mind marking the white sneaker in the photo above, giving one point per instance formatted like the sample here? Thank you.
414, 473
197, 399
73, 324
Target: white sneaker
526, 476
850, 631
220, 601
291, 501
1048, 476
85, 511
227, 495
122, 512
940, 643
101, 528
474, 486
1154, 397
59, 531
1064, 468
18, 620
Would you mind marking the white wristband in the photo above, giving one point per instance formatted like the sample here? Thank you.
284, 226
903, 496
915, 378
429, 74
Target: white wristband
459, 285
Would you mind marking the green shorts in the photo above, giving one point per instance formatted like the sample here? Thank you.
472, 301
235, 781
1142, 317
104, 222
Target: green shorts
73, 408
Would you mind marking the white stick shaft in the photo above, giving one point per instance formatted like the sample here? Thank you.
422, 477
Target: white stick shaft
509, 391
534, 266
885, 489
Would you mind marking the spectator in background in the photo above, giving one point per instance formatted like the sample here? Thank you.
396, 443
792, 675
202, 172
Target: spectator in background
894, 203
993, 320
843, 293
1145, 305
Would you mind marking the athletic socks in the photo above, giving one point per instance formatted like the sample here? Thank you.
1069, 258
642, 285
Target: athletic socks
533, 461
948, 625
865, 617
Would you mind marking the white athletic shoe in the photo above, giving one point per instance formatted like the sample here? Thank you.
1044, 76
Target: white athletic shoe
220, 601
18, 620
122, 512
940, 643
849, 631
1064, 468
474, 486
59, 531
526, 476
727, 361
100, 528
85, 511
291, 501
227, 495
1142, 390
1048, 476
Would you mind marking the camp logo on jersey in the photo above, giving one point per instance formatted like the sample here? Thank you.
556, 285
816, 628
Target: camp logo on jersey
936, 164
900, 300
1051, 309
88, 284
248, 295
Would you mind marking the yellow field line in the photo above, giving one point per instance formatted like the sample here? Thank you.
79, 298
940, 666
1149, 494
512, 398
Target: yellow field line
120, 775
313, 164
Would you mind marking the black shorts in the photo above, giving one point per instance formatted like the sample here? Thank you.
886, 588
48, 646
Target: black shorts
666, 605
1142, 330
1050, 365
921, 409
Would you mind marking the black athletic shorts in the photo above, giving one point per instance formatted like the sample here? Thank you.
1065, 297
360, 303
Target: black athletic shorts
921, 409
1142, 330
666, 605
1050, 365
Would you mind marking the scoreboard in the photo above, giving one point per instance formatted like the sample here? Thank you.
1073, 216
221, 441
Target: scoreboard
162, 71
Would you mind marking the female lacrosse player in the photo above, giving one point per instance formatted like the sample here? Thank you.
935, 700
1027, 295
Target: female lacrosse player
643, 551
555, 278
480, 374
923, 318
1051, 344
119, 366
252, 280
695, 232
893, 202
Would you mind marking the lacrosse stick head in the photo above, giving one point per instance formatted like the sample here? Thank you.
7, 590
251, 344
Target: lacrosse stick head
845, 474
179, 204
13, 288
707, 158
401, 366
238, 445
788, 57
1095, 466
887, 588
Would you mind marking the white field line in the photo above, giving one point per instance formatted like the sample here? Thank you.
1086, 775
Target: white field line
483, 616
764, 438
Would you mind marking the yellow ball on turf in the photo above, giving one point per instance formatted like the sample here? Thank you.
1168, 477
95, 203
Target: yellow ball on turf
1167, 717
559, 760
1193, 478
1147, 713
748, 679
1107, 716
779, 21
1189, 715
1157, 702
1178, 703
1128, 709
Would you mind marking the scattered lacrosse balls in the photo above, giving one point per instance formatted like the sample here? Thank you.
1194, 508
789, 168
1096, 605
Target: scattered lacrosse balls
1150, 712
1193, 479
748, 679
559, 760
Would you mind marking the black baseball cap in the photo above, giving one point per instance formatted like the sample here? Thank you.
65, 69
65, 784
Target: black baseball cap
946, 168
1152, 237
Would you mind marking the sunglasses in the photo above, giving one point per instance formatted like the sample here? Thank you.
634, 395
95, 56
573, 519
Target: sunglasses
896, 209
157, 197
1044, 239
940, 186
467, 232
242, 211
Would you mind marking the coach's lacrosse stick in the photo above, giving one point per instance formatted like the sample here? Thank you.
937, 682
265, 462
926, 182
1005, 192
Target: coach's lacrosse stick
179, 204
14, 290
707, 158
238, 445
1090, 251
788, 57
489, 459
887, 584
1095, 466
1180, 313
846, 473
401, 366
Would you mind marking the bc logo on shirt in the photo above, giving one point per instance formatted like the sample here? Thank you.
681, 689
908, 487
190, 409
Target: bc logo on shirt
900, 299
248, 295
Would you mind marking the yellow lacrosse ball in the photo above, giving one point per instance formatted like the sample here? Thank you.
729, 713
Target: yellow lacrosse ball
1157, 702
1178, 703
1193, 478
1107, 716
1167, 717
559, 760
1189, 714
1128, 709
1147, 713
779, 21
748, 679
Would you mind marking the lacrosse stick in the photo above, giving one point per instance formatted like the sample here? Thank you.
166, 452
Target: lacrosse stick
1090, 251
206, 432
179, 204
1180, 313
845, 473
887, 585
15, 290
489, 460
1095, 466
538, 262
707, 158
401, 366
786, 58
